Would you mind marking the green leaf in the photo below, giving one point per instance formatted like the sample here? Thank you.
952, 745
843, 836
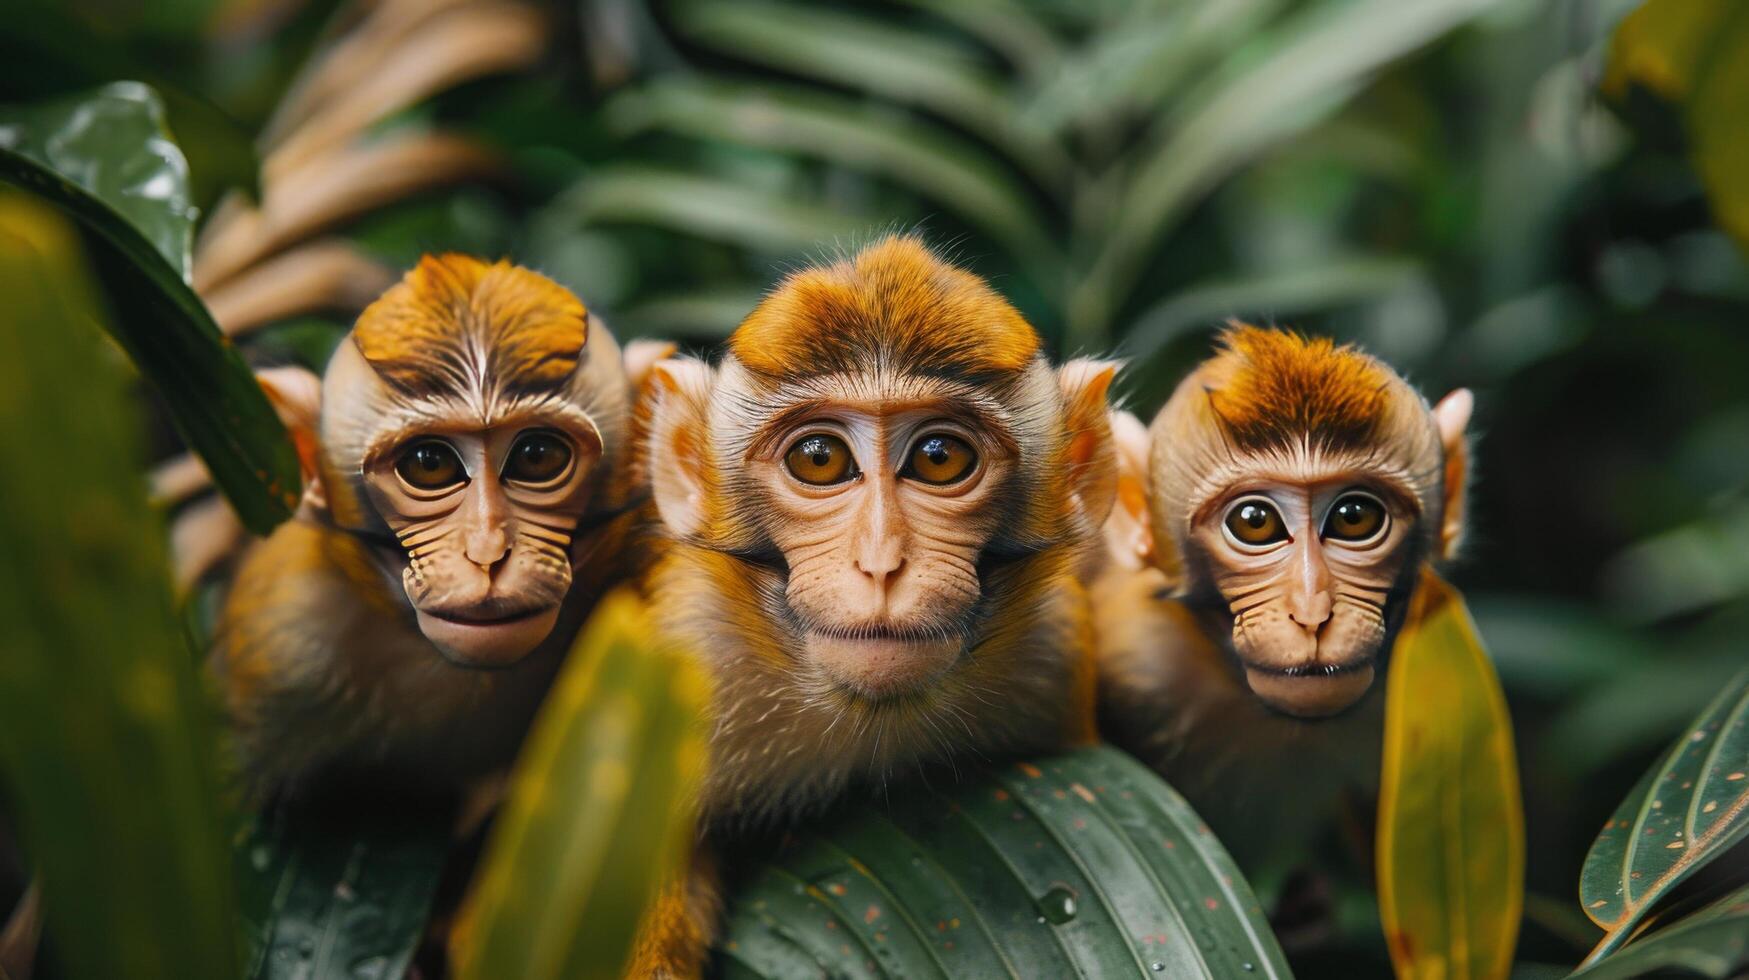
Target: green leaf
706, 206
52, 52
597, 816
1341, 281
1713, 943
954, 173
1688, 809
897, 64
1450, 844
1081, 865
330, 894
114, 145
105, 161
1316, 61
105, 741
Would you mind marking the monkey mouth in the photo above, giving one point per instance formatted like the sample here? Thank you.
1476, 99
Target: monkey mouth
1315, 690
880, 661
486, 617
1313, 670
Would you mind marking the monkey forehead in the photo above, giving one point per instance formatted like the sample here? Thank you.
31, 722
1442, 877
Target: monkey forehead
455, 322
895, 304
363, 415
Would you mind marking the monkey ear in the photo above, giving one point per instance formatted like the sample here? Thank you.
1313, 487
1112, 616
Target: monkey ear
1452, 417
1092, 458
639, 356
1129, 535
679, 445
296, 394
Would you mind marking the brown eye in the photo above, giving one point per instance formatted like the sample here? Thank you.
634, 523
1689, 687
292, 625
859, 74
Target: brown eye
940, 459
1255, 522
430, 465
1355, 517
538, 457
821, 460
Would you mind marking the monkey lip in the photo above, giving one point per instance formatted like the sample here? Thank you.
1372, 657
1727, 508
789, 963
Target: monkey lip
487, 642
881, 661
1315, 690
467, 619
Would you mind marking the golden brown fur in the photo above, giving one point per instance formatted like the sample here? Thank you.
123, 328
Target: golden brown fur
771, 583
338, 647
1210, 651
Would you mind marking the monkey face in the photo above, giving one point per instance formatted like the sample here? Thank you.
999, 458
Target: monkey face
881, 510
485, 518
1306, 570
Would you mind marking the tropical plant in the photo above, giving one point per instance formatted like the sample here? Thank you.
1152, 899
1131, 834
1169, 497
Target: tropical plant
1434, 179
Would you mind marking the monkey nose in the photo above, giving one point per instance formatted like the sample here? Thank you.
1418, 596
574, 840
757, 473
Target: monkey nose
881, 570
486, 548
1311, 611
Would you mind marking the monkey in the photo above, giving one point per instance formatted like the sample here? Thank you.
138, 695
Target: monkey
465, 509
876, 505
1273, 523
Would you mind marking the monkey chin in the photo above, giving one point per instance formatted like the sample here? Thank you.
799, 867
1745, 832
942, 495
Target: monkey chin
882, 666
487, 644
1310, 693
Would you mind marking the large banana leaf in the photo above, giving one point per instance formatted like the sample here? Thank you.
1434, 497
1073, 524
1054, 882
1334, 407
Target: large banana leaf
1688, 809
1081, 865
105, 745
598, 814
1450, 840
106, 161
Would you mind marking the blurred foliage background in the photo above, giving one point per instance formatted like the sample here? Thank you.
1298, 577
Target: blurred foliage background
1450, 183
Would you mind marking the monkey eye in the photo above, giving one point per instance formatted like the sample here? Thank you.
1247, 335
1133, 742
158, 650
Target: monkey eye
1355, 517
538, 457
1256, 522
821, 459
430, 465
940, 459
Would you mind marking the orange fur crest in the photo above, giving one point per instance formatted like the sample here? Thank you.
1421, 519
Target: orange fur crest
894, 304
1274, 388
455, 321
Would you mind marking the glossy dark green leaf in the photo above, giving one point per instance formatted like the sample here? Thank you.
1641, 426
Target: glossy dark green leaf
1080, 865
52, 52
328, 894
1712, 943
106, 161
114, 145
598, 815
105, 737
1688, 809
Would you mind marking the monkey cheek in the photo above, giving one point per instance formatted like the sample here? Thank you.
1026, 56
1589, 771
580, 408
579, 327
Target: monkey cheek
879, 668
1310, 695
487, 645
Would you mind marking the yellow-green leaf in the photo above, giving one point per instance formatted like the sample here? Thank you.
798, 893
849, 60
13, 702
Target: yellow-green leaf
106, 751
599, 813
1696, 53
1451, 821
